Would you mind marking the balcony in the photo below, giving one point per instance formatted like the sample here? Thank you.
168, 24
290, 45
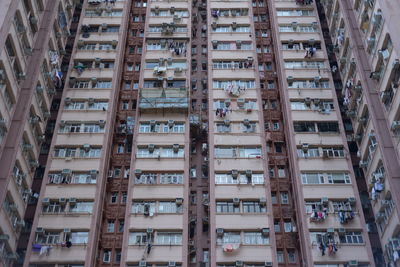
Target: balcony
74, 254
345, 253
157, 221
164, 99
157, 253
83, 191
65, 220
241, 220
157, 191
250, 253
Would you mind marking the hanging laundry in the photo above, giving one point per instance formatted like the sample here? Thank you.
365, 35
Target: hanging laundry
54, 58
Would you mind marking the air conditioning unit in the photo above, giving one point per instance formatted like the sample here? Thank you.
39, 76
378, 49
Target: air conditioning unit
67, 230
179, 201
239, 264
72, 201
304, 147
236, 201
351, 113
2, 76
363, 163
307, 101
351, 200
62, 201
263, 201
175, 148
46, 201
268, 264
385, 203
21, 223
376, 75
246, 122
220, 231
102, 123
324, 200
396, 64
171, 264
3, 123
66, 172
150, 231
4, 237
235, 174
353, 263
395, 125
171, 123
265, 231
93, 173
249, 173
34, 163
227, 122
357, 137
330, 230
39, 230
86, 147
238, 43
142, 264
341, 231
138, 173
27, 147
380, 216
151, 148
214, 43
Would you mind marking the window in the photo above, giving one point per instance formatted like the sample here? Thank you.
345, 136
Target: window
287, 226
110, 226
312, 178
280, 256
118, 256
169, 238
304, 126
328, 127
255, 238
277, 226
311, 153
284, 198
281, 172
147, 178
291, 256
124, 197
107, 256
171, 178
148, 208
82, 207
79, 237
227, 207
114, 197
138, 238
121, 226
253, 207
53, 207
223, 128
229, 238
351, 238
169, 207
274, 198
339, 178
49, 238
91, 153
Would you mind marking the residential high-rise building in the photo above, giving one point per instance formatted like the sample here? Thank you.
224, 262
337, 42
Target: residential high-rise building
35, 40
199, 133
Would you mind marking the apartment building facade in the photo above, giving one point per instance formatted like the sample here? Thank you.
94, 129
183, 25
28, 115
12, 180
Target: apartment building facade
33, 33
366, 46
204, 133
